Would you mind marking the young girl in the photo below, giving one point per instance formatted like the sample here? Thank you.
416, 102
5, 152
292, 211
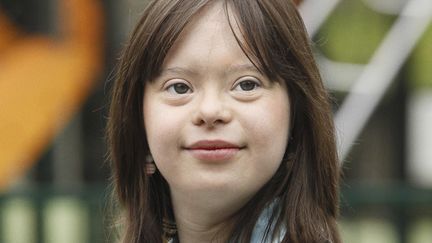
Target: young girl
220, 129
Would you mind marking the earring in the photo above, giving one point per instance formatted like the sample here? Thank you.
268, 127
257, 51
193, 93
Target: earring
150, 167
169, 228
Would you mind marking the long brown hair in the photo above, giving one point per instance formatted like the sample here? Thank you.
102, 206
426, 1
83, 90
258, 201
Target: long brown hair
305, 185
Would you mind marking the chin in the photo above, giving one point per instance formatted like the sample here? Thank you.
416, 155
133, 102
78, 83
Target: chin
221, 194
213, 184
222, 186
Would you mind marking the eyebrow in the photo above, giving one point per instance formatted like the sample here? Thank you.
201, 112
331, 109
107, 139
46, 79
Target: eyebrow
179, 70
241, 68
236, 68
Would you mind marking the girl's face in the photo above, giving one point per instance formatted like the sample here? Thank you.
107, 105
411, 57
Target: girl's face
214, 123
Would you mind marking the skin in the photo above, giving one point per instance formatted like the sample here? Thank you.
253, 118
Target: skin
209, 90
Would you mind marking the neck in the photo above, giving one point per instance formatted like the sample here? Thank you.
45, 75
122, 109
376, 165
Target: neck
197, 232
203, 218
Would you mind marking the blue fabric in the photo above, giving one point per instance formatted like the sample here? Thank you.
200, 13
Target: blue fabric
258, 233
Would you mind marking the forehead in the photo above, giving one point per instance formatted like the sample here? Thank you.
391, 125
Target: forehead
209, 36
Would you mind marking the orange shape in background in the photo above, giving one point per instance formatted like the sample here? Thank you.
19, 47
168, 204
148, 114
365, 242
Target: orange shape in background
43, 82
297, 2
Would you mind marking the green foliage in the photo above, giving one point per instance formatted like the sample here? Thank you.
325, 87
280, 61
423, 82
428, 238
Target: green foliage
353, 32
420, 64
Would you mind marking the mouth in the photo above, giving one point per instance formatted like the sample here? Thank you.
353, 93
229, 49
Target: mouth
213, 150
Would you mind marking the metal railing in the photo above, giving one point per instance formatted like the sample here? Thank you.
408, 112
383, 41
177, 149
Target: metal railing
376, 77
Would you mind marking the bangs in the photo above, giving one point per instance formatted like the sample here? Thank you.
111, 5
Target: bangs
247, 33
157, 32
264, 35
263, 32
253, 27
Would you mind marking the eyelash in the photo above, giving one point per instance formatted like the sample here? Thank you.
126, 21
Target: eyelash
172, 88
256, 84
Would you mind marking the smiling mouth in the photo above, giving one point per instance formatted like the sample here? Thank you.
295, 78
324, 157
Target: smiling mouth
213, 150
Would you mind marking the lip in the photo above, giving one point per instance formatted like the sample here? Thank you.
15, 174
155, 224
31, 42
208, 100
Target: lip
213, 150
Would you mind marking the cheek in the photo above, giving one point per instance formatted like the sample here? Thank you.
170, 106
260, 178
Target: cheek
269, 122
275, 138
267, 127
155, 126
163, 127
160, 120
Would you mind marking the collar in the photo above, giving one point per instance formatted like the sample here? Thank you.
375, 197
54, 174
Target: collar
259, 232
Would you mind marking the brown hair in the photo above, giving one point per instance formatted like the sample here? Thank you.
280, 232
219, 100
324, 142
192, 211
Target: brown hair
275, 40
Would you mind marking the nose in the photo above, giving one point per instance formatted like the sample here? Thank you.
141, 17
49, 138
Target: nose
211, 111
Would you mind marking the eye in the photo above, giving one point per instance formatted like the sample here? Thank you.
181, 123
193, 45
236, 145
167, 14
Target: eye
179, 88
247, 85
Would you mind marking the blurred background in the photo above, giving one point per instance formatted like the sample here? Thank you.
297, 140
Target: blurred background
56, 62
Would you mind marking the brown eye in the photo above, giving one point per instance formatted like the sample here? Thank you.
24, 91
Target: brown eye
179, 88
247, 85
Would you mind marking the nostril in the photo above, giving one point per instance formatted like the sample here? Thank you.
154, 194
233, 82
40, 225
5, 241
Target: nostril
212, 119
199, 122
211, 110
